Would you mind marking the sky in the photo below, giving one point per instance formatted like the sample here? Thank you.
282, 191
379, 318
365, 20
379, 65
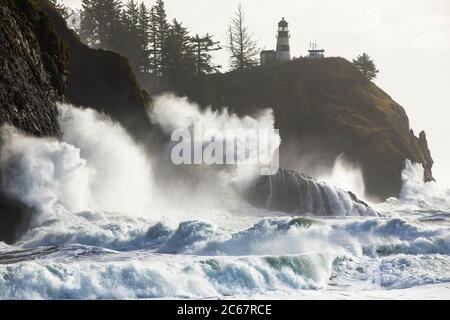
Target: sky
408, 40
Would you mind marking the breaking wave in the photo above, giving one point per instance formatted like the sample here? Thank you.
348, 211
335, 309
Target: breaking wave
105, 228
198, 259
418, 195
96, 166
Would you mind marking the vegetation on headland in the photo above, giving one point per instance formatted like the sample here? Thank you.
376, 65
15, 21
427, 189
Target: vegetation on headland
158, 48
366, 65
154, 45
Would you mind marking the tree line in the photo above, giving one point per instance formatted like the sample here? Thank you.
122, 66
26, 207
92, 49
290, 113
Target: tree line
155, 45
144, 35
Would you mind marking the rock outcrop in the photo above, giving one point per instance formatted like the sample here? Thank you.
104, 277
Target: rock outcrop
33, 76
33, 64
101, 79
324, 108
292, 192
42, 62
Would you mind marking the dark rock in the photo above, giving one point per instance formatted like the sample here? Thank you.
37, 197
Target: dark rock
292, 192
102, 80
14, 219
33, 64
33, 76
41, 62
428, 160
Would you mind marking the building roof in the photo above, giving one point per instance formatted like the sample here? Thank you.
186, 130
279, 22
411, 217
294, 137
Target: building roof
283, 23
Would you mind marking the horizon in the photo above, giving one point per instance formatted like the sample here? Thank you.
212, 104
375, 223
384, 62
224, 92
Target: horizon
406, 39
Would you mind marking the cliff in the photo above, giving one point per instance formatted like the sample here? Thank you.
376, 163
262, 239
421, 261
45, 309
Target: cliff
324, 108
42, 62
32, 69
102, 80
33, 76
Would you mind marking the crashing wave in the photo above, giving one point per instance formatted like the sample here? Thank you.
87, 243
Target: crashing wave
198, 259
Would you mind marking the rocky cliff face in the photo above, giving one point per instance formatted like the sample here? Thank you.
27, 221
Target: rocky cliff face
42, 62
33, 76
325, 108
33, 63
101, 79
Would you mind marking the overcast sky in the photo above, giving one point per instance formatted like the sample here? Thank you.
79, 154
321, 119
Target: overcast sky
408, 39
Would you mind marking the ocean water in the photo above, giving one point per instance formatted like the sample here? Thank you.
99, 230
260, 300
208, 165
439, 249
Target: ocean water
105, 227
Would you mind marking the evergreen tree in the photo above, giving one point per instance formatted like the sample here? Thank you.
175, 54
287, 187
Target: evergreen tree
178, 64
130, 17
100, 24
202, 46
243, 49
366, 65
144, 38
88, 32
159, 32
130, 22
153, 43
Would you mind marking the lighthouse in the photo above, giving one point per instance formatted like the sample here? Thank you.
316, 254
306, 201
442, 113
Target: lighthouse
283, 52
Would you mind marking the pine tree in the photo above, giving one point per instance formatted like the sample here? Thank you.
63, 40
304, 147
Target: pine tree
130, 17
202, 46
179, 66
100, 24
130, 22
111, 32
88, 32
243, 49
179, 59
159, 32
144, 38
153, 43
366, 65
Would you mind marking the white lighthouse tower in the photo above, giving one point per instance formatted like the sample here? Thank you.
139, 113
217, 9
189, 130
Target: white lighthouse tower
283, 52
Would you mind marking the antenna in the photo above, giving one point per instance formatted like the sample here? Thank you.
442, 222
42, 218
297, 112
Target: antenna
313, 45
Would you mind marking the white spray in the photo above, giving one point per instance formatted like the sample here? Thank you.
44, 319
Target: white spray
96, 166
347, 176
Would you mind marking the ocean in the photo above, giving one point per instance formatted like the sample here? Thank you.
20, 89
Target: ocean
104, 226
